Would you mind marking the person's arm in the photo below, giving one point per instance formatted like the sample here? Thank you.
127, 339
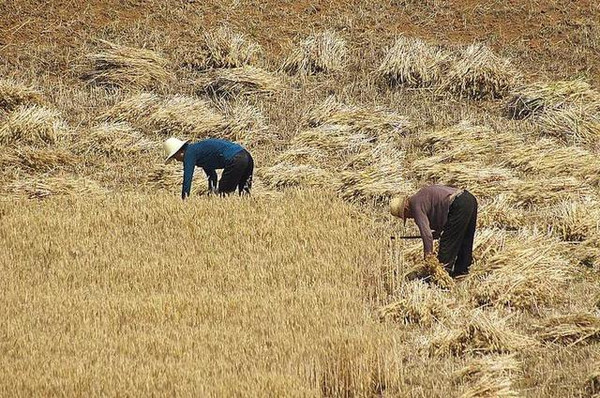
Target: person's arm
212, 179
189, 164
426, 235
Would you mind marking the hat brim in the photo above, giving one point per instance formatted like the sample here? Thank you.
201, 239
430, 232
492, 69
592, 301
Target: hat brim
170, 157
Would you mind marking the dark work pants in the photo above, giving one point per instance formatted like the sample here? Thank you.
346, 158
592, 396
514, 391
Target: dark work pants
456, 241
237, 174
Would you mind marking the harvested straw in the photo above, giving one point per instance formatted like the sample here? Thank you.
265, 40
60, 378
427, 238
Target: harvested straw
33, 125
14, 94
135, 109
570, 329
418, 304
414, 63
245, 123
43, 187
480, 332
438, 273
223, 48
337, 140
548, 190
498, 212
165, 177
479, 73
489, 386
377, 183
491, 376
246, 80
324, 52
573, 124
574, 221
526, 273
284, 175
123, 66
114, 139
44, 159
593, 382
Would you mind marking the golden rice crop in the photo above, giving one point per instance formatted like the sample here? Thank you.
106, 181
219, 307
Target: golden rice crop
166, 176
245, 80
570, 329
414, 63
416, 304
14, 93
123, 66
478, 73
222, 48
32, 125
322, 52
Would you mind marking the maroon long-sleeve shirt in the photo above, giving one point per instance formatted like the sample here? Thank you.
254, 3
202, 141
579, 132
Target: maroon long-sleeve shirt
429, 207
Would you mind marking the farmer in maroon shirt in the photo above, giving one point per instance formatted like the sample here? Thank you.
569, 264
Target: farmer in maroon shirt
447, 213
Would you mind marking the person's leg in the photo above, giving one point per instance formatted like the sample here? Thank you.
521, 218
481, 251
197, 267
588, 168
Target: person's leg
232, 173
245, 184
454, 231
465, 254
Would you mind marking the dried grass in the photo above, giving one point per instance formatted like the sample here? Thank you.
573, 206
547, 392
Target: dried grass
437, 273
32, 125
548, 190
123, 66
246, 80
323, 52
43, 187
478, 73
573, 124
414, 63
417, 304
284, 175
14, 94
113, 140
570, 329
490, 376
44, 159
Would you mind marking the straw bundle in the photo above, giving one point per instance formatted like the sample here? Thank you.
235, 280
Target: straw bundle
39, 188
437, 272
414, 63
14, 94
223, 48
479, 73
123, 66
284, 175
593, 382
537, 98
44, 159
245, 123
135, 109
246, 80
573, 124
418, 304
114, 139
491, 387
498, 212
339, 141
305, 155
574, 221
570, 329
324, 52
33, 125
548, 190
491, 376
526, 273
481, 332
164, 176
489, 241
378, 182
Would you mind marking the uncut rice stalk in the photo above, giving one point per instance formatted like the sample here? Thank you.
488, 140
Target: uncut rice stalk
323, 52
246, 80
481, 332
123, 66
570, 329
14, 94
414, 63
479, 74
417, 304
223, 48
32, 125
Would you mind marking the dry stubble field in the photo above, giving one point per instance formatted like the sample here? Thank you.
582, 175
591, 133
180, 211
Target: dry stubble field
114, 286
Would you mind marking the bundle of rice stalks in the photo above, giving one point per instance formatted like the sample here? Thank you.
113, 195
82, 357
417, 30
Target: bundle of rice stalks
166, 177
491, 376
437, 272
498, 212
135, 109
245, 123
305, 155
593, 382
418, 304
479, 73
122, 66
284, 175
376, 122
43, 187
324, 52
570, 329
223, 48
32, 125
548, 190
573, 124
574, 221
535, 99
487, 243
246, 80
338, 141
114, 139
491, 387
14, 94
526, 273
481, 332
414, 63
44, 159
376, 183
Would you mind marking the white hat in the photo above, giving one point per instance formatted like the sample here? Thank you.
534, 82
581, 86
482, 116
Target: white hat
171, 146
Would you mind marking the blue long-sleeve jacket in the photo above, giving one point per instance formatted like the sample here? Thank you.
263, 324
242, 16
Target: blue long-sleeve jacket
210, 154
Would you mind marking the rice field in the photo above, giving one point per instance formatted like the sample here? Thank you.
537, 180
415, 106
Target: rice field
113, 286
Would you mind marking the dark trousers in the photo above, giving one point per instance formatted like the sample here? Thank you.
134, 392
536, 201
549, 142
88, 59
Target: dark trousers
237, 174
456, 241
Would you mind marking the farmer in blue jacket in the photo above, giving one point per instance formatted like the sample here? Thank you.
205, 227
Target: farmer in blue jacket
212, 154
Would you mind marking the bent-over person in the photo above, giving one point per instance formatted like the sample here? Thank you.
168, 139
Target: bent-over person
212, 154
447, 213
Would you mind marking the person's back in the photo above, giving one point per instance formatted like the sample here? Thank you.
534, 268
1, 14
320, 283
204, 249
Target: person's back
211, 154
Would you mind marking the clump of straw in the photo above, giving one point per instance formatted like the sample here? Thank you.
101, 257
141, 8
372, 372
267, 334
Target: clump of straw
123, 66
43, 187
570, 329
414, 63
283, 175
113, 139
490, 376
573, 124
418, 304
246, 124
166, 177
478, 73
246, 80
498, 212
323, 52
32, 125
548, 190
44, 159
14, 94
593, 382
223, 48
437, 272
